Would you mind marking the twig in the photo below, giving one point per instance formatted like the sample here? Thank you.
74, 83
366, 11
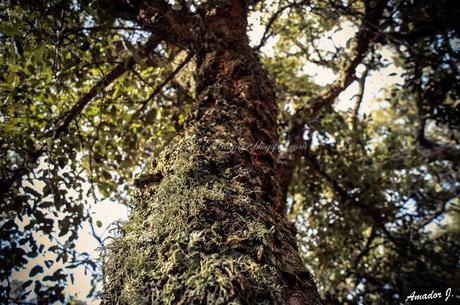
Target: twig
266, 35
84, 100
170, 77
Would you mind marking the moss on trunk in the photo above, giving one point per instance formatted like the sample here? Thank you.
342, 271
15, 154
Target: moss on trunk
209, 232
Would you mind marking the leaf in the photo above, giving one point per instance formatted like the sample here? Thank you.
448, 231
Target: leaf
72, 266
91, 292
8, 225
99, 224
18, 47
50, 278
84, 46
49, 263
35, 270
39, 52
38, 286
106, 174
28, 189
62, 161
8, 30
46, 204
53, 248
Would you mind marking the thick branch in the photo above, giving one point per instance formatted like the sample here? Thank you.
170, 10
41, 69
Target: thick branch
433, 153
441, 209
429, 150
364, 37
84, 100
64, 122
363, 40
442, 152
177, 27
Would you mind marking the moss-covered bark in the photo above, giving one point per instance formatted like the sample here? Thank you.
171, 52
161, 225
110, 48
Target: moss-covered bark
208, 232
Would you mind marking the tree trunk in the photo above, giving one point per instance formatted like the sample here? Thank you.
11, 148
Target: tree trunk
206, 229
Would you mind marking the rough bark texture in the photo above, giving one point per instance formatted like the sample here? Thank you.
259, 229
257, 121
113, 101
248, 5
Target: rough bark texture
207, 231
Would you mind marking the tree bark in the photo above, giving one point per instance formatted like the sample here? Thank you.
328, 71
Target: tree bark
206, 230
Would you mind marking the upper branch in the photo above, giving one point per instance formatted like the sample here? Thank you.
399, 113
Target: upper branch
267, 32
366, 33
174, 26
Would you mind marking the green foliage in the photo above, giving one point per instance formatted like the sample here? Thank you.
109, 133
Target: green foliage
366, 202
376, 207
52, 53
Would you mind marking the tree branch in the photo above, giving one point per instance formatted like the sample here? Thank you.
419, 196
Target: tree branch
84, 100
157, 16
433, 151
65, 120
325, 98
375, 215
359, 98
266, 35
158, 89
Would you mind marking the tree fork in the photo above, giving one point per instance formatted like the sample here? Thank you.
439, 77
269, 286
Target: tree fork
208, 232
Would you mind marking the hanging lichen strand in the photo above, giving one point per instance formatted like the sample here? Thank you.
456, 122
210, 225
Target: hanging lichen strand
208, 231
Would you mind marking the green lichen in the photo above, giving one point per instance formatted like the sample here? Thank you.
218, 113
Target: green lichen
192, 239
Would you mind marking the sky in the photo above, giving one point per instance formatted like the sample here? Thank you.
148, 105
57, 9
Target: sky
109, 212
105, 211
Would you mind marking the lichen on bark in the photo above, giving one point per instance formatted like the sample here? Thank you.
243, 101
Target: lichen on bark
193, 238
201, 236
209, 231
